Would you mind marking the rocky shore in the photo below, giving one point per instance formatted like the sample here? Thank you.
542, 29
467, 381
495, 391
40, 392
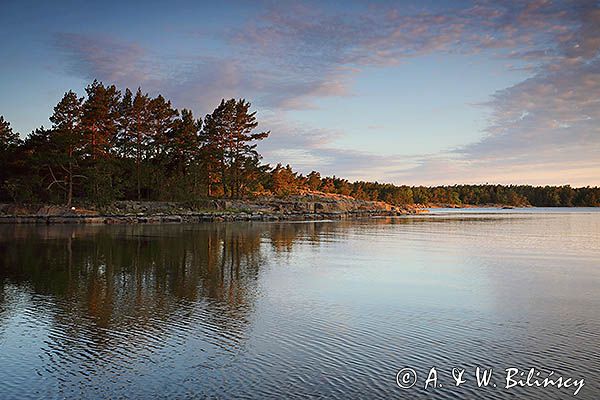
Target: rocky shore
299, 207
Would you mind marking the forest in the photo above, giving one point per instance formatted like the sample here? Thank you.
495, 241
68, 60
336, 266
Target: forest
111, 145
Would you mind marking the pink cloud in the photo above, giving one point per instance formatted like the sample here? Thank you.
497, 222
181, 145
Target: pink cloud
294, 55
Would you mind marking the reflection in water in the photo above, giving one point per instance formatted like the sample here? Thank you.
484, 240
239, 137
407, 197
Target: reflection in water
105, 297
124, 276
113, 299
294, 309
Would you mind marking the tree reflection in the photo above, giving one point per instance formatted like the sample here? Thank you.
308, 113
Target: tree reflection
107, 297
111, 271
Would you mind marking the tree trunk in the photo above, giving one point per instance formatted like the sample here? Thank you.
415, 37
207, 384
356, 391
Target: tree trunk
224, 182
70, 190
209, 185
138, 159
70, 172
139, 185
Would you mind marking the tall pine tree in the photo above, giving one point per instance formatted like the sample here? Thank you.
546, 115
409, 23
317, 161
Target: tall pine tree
100, 123
67, 141
9, 144
229, 132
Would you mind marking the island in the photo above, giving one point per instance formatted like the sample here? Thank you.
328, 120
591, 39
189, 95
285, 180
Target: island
116, 156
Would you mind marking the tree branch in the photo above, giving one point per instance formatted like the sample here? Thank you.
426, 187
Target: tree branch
55, 181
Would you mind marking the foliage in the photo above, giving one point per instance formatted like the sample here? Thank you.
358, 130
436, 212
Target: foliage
111, 146
228, 136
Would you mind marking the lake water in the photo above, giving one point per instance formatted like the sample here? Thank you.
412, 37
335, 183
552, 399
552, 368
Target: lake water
297, 310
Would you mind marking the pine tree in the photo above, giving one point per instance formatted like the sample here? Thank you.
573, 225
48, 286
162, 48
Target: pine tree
284, 180
38, 149
9, 139
314, 180
185, 142
162, 119
100, 118
139, 137
212, 150
66, 141
228, 131
100, 123
125, 122
9, 145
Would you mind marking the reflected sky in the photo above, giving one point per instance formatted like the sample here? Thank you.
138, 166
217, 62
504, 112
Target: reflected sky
271, 310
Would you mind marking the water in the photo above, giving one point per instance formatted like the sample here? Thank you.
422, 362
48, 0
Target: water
296, 310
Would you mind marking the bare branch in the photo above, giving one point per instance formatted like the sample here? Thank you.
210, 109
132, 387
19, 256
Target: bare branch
55, 181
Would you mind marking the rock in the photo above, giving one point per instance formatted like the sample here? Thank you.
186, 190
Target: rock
309, 206
171, 219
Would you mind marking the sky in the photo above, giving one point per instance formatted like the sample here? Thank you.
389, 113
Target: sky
407, 92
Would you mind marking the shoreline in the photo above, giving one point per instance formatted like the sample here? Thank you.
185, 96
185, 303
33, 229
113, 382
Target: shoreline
190, 218
214, 217
299, 208
307, 207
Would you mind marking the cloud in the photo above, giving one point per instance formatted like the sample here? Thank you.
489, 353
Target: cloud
309, 38
307, 148
546, 115
551, 119
197, 81
106, 58
544, 129
293, 55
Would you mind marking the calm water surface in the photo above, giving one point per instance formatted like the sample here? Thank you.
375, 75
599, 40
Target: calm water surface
296, 310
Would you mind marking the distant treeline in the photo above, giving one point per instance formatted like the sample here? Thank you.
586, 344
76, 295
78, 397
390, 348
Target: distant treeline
284, 181
112, 145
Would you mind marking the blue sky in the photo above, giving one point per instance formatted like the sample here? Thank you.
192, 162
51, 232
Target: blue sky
399, 91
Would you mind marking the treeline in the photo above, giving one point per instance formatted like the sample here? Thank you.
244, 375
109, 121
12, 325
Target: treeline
112, 145
283, 181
